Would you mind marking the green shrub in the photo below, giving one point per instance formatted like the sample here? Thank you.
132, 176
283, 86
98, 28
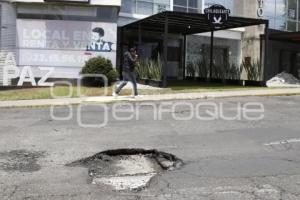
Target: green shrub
142, 69
150, 69
253, 69
233, 72
203, 68
99, 65
191, 70
155, 69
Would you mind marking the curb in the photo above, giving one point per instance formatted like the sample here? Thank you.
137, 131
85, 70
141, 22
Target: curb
163, 97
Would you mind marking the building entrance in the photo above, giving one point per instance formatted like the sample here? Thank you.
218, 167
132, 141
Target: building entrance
290, 62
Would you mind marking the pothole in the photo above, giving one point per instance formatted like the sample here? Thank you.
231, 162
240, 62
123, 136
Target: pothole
20, 160
127, 169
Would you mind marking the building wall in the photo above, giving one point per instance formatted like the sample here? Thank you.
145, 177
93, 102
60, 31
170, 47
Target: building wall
7, 36
251, 39
283, 15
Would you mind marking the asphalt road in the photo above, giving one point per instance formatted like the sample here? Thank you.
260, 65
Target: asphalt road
224, 159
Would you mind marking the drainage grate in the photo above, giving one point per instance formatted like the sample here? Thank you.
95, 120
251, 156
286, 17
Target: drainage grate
127, 169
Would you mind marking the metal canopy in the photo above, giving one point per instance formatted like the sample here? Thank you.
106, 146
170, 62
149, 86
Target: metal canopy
285, 36
188, 23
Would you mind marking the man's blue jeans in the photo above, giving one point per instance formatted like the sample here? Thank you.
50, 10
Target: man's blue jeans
128, 77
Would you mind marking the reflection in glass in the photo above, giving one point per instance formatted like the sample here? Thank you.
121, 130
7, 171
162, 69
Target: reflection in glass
186, 6
299, 13
128, 6
145, 8
160, 8
271, 22
193, 10
292, 9
180, 9
269, 8
193, 3
281, 6
212, 2
291, 26
280, 24
180, 3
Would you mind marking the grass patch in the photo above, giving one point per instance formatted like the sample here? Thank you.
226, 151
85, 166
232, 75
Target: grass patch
196, 86
45, 93
63, 91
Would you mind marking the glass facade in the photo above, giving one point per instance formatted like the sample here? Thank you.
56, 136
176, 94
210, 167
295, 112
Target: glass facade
227, 3
72, 13
283, 14
192, 6
150, 7
145, 7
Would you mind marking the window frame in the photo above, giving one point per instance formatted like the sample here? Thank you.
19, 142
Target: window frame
187, 7
153, 2
97, 18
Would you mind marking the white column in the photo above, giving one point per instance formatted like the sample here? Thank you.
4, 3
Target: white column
297, 11
171, 5
202, 3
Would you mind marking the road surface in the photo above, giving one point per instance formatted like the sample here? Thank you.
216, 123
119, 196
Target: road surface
238, 159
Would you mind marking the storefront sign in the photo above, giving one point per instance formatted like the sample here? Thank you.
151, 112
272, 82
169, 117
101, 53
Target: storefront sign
260, 10
64, 43
161, 8
292, 14
217, 15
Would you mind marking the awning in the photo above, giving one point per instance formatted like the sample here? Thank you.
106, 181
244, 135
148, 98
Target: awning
188, 23
285, 36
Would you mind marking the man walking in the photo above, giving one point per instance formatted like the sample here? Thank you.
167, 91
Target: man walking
130, 62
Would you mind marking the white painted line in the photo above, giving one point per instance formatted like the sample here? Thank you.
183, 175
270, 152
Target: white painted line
294, 140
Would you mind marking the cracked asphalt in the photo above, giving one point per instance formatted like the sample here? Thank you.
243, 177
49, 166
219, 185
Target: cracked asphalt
223, 159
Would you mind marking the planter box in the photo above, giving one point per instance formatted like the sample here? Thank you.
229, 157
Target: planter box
255, 83
234, 82
189, 78
229, 81
201, 79
155, 83
143, 81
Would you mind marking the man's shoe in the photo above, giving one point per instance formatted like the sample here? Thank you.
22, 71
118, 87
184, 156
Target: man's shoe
114, 94
135, 96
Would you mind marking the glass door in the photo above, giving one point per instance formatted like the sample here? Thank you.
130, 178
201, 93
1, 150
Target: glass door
290, 62
174, 59
297, 65
220, 60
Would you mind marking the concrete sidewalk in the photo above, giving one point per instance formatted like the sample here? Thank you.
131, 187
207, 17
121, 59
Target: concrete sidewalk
163, 97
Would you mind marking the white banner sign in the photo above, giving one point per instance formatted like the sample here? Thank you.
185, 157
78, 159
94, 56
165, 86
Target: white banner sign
64, 43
